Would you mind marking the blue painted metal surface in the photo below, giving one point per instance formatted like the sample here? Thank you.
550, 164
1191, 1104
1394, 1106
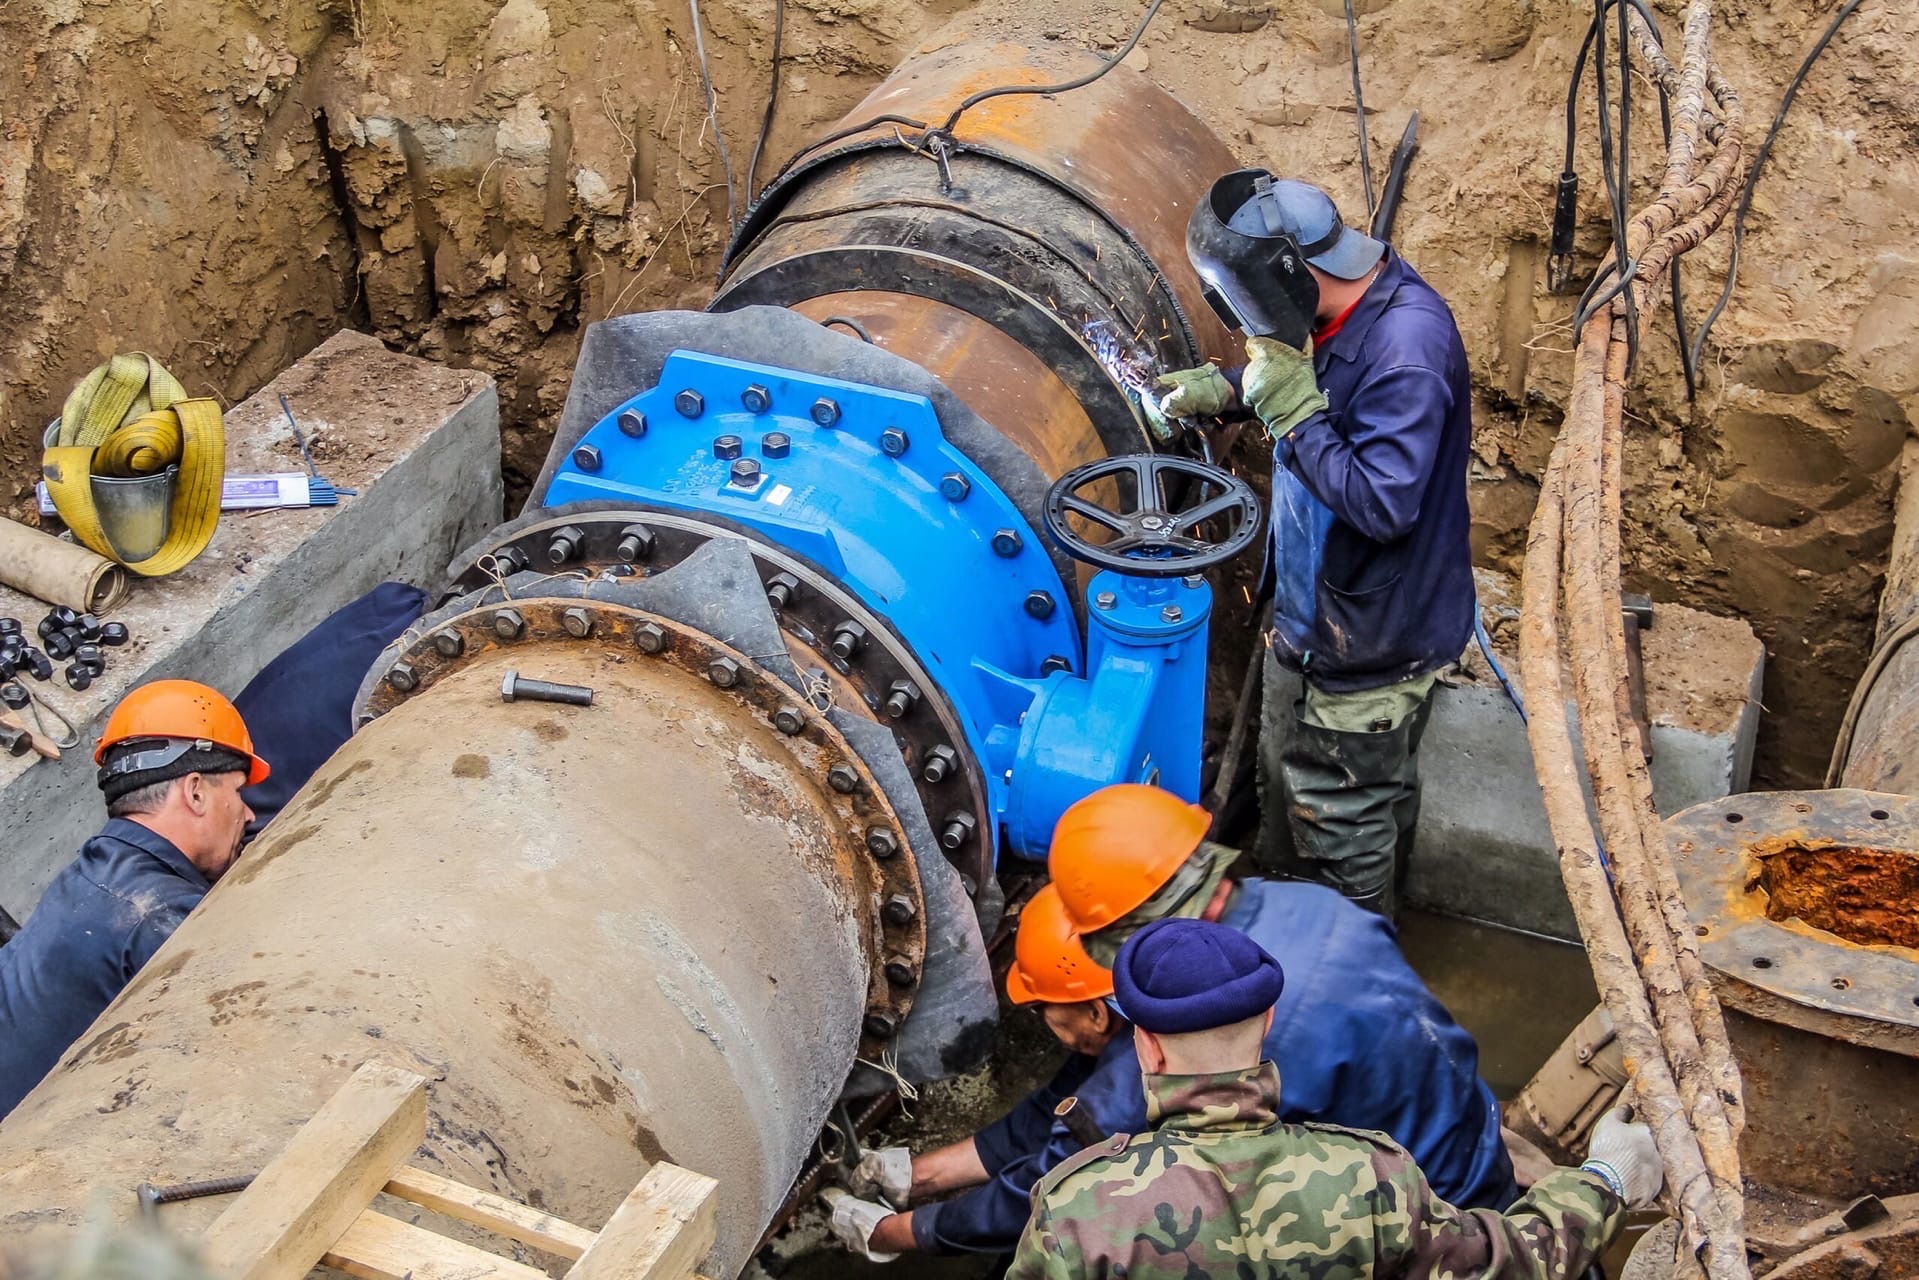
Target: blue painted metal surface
862, 481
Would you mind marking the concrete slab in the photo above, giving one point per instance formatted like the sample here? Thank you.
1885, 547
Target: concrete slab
1485, 850
421, 443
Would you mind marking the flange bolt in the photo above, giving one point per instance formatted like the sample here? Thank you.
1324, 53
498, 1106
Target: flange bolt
881, 843
402, 677
899, 909
578, 622
842, 779
746, 472
782, 589
1007, 542
449, 642
1171, 613
1105, 600
899, 971
940, 764
954, 487
723, 672
824, 411
958, 830
690, 403
565, 544
789, 720
756, 399
632, 423
776, 444
650, 637
902, 696
880, 1025
848, 638
1039, 604
517, 688
508, 624
586, 458
727, 447
636, 544
893, 442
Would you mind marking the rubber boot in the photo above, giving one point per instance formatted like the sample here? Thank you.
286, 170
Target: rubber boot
1273, 852
1406, 808
1344, 792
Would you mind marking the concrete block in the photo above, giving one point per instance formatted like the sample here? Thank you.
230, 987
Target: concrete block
420, 442
1485, 850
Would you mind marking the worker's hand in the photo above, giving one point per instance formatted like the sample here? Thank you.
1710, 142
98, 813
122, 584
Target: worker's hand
853, 1221
1195, 393
887, 1172
1623, 1155
1279, 385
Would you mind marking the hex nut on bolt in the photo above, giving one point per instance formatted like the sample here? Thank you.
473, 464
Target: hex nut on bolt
881, 843
776, 444
727, 447
650, 637
508, 624
586, 458
578, 622
402, 677
756, 399
1007, 543
1105, 600
565, 543
899, 971
954, 487
958, 830
636, 544
782, 589
940, 764
746, 473
449, 642
880, 1026
690, 403
824, 411
1039, 604
899, 909
842, 779
1171, 613
901, 697
723, 672
632, 423
847, 640
893, 442
789, 720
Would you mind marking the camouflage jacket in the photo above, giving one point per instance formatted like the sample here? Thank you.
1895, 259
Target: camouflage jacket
1220, 1188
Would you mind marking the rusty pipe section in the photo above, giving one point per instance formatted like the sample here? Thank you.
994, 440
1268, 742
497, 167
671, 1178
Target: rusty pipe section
986, 256
638, 930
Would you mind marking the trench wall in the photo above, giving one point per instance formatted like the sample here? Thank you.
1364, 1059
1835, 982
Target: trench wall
226, 182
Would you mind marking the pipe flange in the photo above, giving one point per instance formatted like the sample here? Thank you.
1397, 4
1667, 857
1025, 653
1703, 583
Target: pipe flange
1806, 904
811, 608
873, 840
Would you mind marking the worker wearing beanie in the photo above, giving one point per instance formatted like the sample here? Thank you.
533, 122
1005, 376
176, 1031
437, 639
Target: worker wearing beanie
172, 761
1361, 1040
1221, 1186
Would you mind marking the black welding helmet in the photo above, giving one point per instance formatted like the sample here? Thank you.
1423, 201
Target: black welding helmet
1250, 240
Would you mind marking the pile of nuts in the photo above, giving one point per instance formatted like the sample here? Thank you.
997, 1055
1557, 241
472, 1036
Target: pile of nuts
79, 639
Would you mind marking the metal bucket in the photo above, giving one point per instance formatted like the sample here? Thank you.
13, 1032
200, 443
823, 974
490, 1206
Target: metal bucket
136, 512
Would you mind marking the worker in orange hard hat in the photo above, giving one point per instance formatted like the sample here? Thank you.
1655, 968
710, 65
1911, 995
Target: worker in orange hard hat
172, 761
1358, 1039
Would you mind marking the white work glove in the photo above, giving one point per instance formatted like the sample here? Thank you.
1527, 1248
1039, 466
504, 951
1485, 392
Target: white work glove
1624, 1157
853, 1221
887, 1172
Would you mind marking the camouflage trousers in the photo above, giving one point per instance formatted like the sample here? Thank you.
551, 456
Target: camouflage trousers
1339, 784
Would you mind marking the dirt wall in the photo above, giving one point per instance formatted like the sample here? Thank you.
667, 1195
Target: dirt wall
225, 182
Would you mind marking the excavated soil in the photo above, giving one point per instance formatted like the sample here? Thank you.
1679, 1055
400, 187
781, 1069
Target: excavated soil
225, 183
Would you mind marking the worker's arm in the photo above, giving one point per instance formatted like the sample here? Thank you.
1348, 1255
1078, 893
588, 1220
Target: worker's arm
1372, 469
953, 1167
1554, 1231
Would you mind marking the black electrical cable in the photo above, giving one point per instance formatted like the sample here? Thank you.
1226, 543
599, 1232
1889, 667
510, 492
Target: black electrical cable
713, 111
1752, 175
1625, 174
772, 99
1359, 110
1009, 90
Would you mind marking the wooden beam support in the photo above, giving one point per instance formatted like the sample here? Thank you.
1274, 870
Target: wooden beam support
303, 1201
509, 1218
377, 1247
661, 1231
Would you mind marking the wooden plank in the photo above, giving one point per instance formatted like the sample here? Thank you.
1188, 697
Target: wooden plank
325, 1178
377, 1247
496, 1213
661, 1232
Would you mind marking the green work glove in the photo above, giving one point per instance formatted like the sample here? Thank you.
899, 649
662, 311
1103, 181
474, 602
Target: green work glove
1279, 386
1195, 393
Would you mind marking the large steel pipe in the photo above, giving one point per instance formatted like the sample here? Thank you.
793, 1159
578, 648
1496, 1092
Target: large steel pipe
611, 934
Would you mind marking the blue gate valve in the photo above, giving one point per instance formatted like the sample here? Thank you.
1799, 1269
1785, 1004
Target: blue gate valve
1139, 714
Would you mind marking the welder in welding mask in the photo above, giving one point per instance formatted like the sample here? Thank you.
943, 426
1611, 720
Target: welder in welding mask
1356, 368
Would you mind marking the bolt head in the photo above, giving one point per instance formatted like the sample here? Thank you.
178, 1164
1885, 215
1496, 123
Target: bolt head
899, 971
1007, 543
746, 472
723, 672
899, 909
881, 843
1105, 600
636, 543
756, 399
449, 642
842, 779
789, 720
586, 458
649, 637
577, 621
776, 444
565, 544
1039, 604
939, 764
727, 447
690, 403
402, 677
508, 624
880, 1026
1194, 580
632, 423
954, 487
1171, 613
893, 442
826, 412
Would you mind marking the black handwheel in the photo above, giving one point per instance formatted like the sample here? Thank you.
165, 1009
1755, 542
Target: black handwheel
1150, 538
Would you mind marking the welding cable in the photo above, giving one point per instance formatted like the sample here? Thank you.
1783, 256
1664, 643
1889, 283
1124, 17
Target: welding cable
1010, 90
1492, 660
847, 322
713, 111
1615, 184
1359, 111
772, 99
1752, 176
840, 135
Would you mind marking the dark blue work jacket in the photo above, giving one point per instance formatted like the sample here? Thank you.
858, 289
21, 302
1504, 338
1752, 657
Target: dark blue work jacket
299, 709
1359, 1042
100, 920
1374, 580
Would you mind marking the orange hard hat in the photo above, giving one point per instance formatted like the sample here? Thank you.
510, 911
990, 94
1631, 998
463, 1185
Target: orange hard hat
184, 710
1113, 850
1050, 966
